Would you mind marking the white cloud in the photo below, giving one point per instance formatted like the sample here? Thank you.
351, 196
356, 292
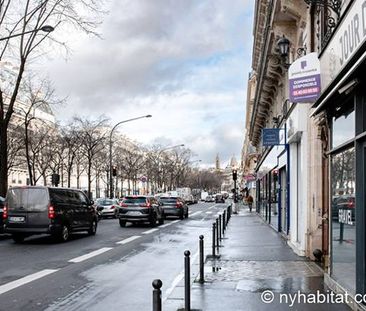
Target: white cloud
183, 61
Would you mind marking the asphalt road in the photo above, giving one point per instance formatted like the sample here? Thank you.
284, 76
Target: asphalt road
110, 271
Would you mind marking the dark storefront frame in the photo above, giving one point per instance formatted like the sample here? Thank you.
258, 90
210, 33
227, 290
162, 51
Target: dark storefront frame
357, 99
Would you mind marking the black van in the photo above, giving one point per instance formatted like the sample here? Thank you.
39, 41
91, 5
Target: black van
33, 210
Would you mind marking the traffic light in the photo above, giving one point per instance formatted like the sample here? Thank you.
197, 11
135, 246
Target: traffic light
235, 175
114, 171
55, 179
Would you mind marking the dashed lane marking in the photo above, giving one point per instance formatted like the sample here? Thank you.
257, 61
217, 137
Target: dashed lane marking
130, 239
150, 231
209, 212
196, 213
90, 255
27, 279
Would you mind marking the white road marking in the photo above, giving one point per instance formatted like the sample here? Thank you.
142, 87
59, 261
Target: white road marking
166, 225
176, 281
130, 239
150, 231
196, 213
175, 221
27, 279
209, 212
90, 255
212, 206
178, 278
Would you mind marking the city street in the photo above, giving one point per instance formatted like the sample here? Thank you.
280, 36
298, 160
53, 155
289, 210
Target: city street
110, 271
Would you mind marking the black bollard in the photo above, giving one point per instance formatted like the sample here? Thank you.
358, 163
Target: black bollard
224, 222
217, 235
157, 284
213, 239
187, 281
202, 263
220, 235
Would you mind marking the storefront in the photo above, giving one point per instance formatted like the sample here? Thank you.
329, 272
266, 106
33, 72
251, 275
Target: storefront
270, 199
343, 100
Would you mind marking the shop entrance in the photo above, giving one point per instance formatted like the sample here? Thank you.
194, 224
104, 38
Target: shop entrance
283, 200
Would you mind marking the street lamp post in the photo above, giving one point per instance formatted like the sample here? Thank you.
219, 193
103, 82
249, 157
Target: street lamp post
111, 190
45, 28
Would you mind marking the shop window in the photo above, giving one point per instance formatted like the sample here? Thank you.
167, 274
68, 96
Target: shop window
343, 218
343, 128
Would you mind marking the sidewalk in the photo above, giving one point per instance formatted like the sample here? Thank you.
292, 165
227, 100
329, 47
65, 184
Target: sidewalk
254, 259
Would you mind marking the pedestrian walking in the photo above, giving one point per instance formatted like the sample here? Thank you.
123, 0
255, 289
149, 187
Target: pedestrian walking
249, 200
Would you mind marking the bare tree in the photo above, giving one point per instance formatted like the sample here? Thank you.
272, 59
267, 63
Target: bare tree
26, 18
37, 96
92, 137
131, 163
15, 147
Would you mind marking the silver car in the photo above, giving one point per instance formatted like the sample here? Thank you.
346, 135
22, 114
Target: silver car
108, 207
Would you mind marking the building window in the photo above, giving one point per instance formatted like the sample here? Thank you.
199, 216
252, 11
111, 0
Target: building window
343, 218
343, 128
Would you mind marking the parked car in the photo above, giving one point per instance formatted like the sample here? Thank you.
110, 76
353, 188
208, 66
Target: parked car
107, 207
174, 206
56, 211
209, 198
219, 198
138, 209
2, 202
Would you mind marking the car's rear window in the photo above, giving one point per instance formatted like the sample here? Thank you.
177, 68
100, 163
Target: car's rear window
132, 200
106, 202
29, 199
168, 200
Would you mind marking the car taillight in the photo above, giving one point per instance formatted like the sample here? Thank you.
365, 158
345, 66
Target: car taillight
123, 205
351, 204
51, 212
179, 204
112, 207
5, 212
145, 205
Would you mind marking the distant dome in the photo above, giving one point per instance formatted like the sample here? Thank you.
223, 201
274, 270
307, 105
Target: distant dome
233, 162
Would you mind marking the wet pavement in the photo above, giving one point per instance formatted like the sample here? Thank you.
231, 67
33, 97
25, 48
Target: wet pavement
255, 264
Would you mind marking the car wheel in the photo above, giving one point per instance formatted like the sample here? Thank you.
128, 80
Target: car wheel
153, 220
65, 233
181, 216
18, 238
122, 223
161, 220
93, 228
186, 214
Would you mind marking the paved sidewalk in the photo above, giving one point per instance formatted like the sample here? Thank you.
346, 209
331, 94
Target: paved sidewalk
254, 259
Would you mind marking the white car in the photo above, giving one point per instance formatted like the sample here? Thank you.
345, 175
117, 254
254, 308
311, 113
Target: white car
108, 207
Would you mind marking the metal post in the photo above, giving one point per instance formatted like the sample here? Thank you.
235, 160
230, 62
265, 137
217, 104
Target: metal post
224, 222
217, 234
187, 281
157, 284
220, 235
202, 267
213, 240
341, 231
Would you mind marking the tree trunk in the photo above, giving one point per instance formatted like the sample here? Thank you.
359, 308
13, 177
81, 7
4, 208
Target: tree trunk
89, 177
27, 154
3, 158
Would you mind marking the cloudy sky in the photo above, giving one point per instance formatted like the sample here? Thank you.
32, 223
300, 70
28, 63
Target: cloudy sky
185, 62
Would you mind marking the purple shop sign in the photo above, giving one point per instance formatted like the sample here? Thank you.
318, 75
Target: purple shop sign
304, 79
